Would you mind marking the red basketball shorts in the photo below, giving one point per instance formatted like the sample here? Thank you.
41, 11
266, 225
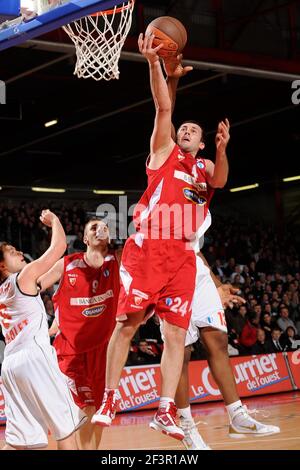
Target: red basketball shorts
85, 375
157, 275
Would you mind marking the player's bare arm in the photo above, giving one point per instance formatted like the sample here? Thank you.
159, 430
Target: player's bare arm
218, 173
174, 71
33, 271
52, 276
161, 143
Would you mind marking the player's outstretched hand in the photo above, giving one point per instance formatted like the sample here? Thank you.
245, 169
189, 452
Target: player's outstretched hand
174, 68
229, 297
223, 135
146, 47
47, 217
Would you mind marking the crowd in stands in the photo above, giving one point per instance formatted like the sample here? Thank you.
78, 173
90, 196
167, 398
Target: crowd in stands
263, 264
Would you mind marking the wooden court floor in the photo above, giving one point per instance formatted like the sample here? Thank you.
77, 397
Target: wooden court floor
130, 431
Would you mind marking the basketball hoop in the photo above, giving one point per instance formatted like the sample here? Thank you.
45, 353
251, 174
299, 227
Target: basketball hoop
99, 39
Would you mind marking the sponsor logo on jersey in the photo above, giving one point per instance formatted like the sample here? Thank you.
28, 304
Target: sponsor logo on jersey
138, 300
200, 164
181, 175
106, 273
140, 294
201, 186
169, 302
94, 311
91, 300
72, 281
193, 196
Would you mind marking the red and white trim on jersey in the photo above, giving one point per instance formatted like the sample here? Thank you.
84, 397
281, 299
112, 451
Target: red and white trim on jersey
85, 304
177, 199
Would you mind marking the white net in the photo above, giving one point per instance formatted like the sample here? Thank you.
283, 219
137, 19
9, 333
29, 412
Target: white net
99, 40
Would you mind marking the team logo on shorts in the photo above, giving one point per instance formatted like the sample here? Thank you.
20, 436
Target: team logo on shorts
194, 197
169, 302
106, 273
200, 165
138, 300
94, 311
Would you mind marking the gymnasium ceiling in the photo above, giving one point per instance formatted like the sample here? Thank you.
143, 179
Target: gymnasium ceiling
102, 137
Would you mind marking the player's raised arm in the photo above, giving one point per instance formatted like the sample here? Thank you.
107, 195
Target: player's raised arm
174, 71
33, 271
52, 276
161, 141
218, 172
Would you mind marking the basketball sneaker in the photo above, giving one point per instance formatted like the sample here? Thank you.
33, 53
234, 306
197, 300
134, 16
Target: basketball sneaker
192, 439
165, 421
107, 412
242, 424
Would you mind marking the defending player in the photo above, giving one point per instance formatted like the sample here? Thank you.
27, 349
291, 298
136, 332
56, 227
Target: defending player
158, 270
36, 395
85, 307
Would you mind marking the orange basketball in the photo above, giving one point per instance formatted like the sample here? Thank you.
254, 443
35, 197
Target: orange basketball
170, 32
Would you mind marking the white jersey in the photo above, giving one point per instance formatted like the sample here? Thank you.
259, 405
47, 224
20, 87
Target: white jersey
198, 242
22, 317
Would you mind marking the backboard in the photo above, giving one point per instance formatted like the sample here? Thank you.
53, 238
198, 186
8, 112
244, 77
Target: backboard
53, 19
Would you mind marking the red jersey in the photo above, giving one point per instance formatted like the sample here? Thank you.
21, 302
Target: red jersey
176, 202
85, 304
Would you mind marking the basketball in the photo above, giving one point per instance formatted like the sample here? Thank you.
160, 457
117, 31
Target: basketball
170, 32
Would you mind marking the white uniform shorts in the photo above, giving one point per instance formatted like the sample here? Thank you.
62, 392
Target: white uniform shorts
37, 398
207, 309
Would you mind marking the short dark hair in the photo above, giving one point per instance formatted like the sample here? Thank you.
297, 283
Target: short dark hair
192, 121
283, 306
276, 328
93, 219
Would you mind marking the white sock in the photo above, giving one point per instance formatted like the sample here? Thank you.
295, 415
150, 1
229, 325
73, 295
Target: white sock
233, 407
164, 401
186, 413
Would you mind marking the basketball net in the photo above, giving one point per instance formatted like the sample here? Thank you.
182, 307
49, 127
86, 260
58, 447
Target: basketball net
99, 39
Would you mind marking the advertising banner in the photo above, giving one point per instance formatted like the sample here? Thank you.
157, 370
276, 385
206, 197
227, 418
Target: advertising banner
140, 387
254, 375
294, 362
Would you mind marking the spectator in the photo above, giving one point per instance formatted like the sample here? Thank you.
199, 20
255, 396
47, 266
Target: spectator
217, 269
237, 275
289, 340
236, 320
258, 310
145, 353
248, 335
261, 345
274, 343
284, 321
267, 324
